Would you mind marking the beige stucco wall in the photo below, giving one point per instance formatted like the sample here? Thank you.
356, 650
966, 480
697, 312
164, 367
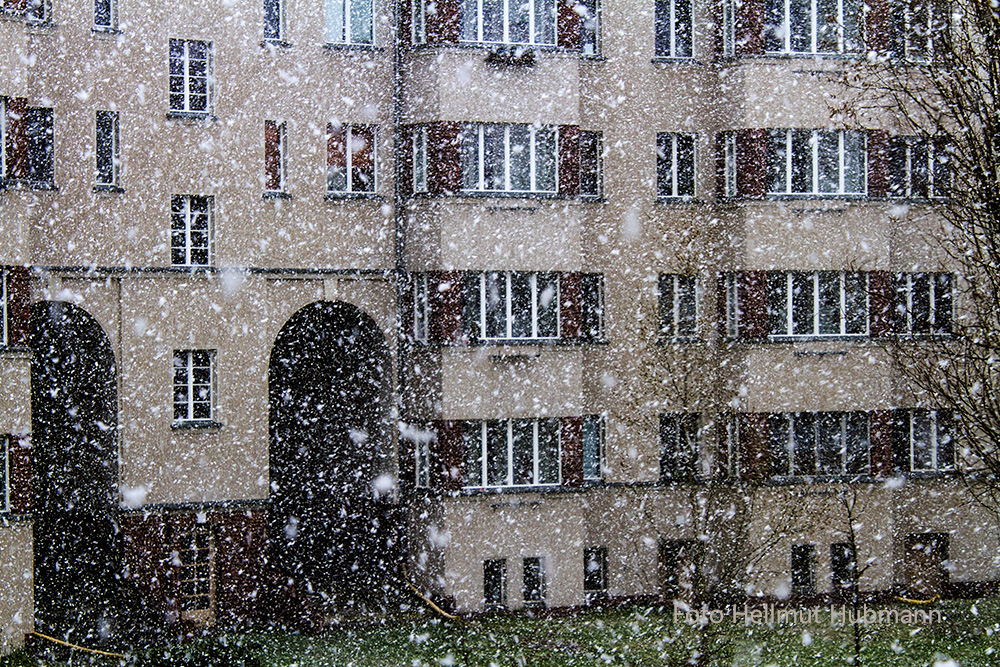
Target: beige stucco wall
17, 609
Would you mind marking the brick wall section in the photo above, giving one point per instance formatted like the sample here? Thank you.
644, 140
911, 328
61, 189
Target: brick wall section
571, 442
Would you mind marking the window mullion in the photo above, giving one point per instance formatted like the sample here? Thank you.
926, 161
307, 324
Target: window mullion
789, 305
510, 452
933, 439
814, 26
673, 165
531, 158
482, 306
842, 161
348, 131
536, 478
506, 156
814, 146
842, 316
788, 161
506, 21
484, 479
533, 288
481, 142
508, 298
189, 362
788, 26
815, 310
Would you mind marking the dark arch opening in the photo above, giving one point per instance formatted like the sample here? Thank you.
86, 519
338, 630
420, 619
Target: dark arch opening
74, 419
333, 536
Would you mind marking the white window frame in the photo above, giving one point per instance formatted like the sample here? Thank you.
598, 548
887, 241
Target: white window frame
421, 308
674, 47
674, 158
680, 291
508, 6
936, 433
115, 150
420, 159
350, 187
905, 287
189, 78
474, 139
348, 30
112, 25
508, 298
186, 359
814, 141
188, 219
481, 481
789, 303
281, 27
792, 447
785, 30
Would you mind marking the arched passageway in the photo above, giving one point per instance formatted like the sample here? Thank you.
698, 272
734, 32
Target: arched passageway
332, 529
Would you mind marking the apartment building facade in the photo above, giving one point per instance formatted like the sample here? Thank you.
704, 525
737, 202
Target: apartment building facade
296, 292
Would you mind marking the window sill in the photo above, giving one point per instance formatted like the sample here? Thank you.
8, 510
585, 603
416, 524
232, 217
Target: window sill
346, 196
19, 184
512, 194
276, 42
791, 196
673, 201
204, 116
678, 340
357, 47
674, 60
196, 424
275, 194
802, 55
102, 30
15, 352
108, 188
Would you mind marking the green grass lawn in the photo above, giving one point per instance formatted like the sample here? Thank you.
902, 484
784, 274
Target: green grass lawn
968, 634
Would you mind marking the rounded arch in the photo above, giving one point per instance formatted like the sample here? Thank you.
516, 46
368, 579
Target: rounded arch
329, 394
74, 415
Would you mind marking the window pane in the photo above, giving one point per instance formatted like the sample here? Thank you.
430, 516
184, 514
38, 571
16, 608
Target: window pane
830, 445
942, 303
547, 291
855, 303
682, 29
802, 161
361, 21
496, 453
362, 156
921, 438
545, 22
803, 568
548, 451
474, 454
493, 157
857, 443
829, 302
520, 157
534, 580
852, 26
272, 19
470, 157
493, 20
520, 305
827, 26
854, 162
590, 163
685, 166
335, 21
662, 45
777, 303
494, 582
495, 300
920, 312
470, 21
545, 160
804, 437
800, 25
523, 436
592, 434
518, 27
105, 147
780, 444
775, 26
828, 162
802, 304
686, 306
594, 569
777, 155
589, 28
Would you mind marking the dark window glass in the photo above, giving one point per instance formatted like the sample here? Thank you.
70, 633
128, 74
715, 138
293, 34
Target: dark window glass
534, 581
495, 583
272, 19
804, 569
595, 572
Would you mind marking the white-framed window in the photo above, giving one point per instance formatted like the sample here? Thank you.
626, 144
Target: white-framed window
509, 158
675, 160
38, 11
106, 15
516, 305
678, 306
495, 583
531, 22
512, 452
674, 29
918, 168
194, 385
593, 447
274, 20
930, 437
107, 149
350, 159
915, 26
420, 159
816, 162
923, 304
680, 436
817, 303
591, 163
590, 26
275, 155
190, 76
819, 443
191, 230
533, 578
193, 559
595, 573
421, 308
814, 26
349, 22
